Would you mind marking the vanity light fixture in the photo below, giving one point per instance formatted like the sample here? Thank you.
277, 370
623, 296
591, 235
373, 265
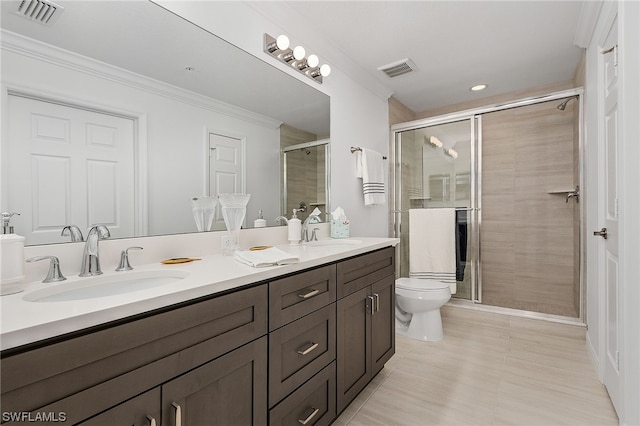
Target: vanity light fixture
451, 153
432, 140
296, 57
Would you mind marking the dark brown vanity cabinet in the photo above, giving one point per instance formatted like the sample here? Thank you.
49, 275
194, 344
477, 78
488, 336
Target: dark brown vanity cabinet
302, 348
293, 351
122, 374
366, 321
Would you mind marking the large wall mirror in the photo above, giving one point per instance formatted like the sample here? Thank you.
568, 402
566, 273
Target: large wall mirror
120, 112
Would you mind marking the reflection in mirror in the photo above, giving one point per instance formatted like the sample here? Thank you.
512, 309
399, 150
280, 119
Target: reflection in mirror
110, 114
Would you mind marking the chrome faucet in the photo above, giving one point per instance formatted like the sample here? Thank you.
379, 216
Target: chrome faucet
72, 231
305, 225
90, 259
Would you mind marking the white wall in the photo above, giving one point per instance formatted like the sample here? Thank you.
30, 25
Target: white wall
359, 117
176, 136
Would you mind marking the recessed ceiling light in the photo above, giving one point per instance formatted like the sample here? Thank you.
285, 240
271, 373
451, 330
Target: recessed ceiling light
478, 87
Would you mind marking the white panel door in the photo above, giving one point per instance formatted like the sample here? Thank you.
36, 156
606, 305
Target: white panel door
226, 169
609, 72
68, 166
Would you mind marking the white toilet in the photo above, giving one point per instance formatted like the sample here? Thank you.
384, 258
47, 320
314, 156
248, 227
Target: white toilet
418, 303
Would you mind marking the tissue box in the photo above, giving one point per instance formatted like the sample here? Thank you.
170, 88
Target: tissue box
339, 228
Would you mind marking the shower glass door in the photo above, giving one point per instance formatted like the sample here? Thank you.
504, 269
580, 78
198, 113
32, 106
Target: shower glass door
436, 168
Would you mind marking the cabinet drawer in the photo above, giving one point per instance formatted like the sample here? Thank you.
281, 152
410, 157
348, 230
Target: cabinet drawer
358, 272
314, 403
298, 295
299, 350
40, 376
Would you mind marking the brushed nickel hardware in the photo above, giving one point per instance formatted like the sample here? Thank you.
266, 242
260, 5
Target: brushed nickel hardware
357, 148
377, 299
54, 273
371, 306
178, 413
575, 194
309, 417
609, 50
601, 233
152, 421
311, 293
124, 259
312, 346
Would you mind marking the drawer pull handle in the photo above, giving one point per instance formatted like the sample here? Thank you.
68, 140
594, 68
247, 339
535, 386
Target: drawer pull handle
311, 416
178, 413
309, 294
152, 421
377, 297
309, 348
372, 305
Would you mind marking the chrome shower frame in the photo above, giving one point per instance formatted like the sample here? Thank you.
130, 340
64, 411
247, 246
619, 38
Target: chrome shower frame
475, 117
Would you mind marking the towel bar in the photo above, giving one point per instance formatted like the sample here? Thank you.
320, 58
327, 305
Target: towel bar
357, 148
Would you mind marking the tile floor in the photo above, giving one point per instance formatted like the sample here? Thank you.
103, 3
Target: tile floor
490, 369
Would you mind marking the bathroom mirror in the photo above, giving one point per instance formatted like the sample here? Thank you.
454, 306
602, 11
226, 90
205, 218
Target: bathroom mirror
175, 86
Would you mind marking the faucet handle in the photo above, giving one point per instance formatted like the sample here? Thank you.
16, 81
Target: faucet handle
54, 273
124, 259
314, 236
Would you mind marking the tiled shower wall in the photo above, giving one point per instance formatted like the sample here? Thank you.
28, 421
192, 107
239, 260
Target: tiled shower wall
528, 234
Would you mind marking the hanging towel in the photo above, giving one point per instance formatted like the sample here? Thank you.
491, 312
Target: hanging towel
432, 245
373, 172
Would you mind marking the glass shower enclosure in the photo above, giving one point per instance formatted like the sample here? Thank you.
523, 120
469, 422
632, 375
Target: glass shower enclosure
512, 175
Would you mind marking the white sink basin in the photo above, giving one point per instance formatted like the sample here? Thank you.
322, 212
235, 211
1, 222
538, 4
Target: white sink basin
105, 285
334, 242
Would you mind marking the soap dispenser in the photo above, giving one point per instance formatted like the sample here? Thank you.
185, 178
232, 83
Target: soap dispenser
12, 255
295, 229
260, 222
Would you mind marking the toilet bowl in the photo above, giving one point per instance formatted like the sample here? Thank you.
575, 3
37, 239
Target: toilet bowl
422, 299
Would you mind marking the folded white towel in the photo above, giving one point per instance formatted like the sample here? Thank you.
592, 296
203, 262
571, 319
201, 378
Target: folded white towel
267, 257
432, 245
373, 178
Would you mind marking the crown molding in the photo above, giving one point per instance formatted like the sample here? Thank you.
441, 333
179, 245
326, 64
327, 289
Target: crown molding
20, 45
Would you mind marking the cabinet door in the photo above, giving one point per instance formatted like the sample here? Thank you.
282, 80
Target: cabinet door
383, 326
353, 346
230, 390
143, 410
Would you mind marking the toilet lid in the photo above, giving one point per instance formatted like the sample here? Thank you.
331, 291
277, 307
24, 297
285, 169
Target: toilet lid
420, 284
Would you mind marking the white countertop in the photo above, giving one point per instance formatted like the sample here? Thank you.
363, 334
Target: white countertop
26, 322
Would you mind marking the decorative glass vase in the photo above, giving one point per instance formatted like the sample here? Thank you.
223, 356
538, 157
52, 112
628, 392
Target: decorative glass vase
204, 211
234, 209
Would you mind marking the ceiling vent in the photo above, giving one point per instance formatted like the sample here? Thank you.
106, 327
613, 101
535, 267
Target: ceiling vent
398, 68
41, 11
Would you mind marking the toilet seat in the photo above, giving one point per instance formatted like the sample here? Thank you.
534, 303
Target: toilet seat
420, 284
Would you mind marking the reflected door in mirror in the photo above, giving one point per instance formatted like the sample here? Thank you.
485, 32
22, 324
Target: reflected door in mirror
68, 166
226, 169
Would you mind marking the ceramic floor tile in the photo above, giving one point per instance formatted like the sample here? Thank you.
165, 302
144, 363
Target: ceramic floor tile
490, 369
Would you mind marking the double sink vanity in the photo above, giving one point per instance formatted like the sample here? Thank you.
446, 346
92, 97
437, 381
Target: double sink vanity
202, 343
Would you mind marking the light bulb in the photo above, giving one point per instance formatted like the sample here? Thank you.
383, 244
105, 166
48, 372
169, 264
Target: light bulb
313, 61
282, 42
435, 142
298, 52
325, 70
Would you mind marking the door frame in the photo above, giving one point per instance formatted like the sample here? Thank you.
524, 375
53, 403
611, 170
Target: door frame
140, 139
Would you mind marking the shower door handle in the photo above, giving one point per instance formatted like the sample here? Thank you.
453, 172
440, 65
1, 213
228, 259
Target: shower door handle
601, 233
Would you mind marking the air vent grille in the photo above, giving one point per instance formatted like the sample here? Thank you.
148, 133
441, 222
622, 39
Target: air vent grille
41, 11
399, 68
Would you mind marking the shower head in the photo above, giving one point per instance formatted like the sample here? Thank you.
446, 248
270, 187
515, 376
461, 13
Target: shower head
564, 103
305, 150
